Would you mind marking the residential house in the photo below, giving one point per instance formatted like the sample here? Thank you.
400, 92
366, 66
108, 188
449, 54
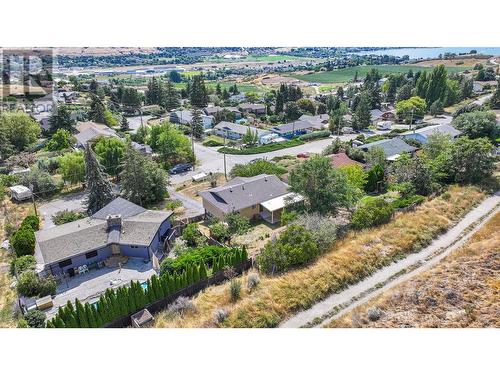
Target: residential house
121, 228
262, 196
89, 131
319, 121
45, 103
256, 109
296, 128
185, 117
392, 148
145, 149
241, 97
233, 131
342, 160
423, 134
212, 111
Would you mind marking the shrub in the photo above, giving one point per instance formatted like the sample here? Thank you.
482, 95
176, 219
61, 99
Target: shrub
181, 306
220, 315
35, 319
21, 264
192, 236
315, 135
260, 149
23, 241
235, 290
374, 314
31, 221
219, 231
408, 201
372, 213
66, 216
253, 280
212, 143
30, 285
255, 168
295, 246
236, 223
324, 230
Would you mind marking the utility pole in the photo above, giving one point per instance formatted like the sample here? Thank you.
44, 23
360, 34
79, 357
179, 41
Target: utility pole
224, 153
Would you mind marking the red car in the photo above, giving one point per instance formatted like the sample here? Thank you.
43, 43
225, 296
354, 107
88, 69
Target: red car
303, 155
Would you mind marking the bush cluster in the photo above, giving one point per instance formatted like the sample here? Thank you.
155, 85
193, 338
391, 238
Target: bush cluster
372, 213
66, 216
30, 285
23, 240
260, 149
315, 135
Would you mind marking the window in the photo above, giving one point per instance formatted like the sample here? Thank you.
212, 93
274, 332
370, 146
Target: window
65, 263
91, 254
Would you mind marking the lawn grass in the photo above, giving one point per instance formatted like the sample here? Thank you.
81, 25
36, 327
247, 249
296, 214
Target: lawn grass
468, 273
350, 260
260, 149
347, 74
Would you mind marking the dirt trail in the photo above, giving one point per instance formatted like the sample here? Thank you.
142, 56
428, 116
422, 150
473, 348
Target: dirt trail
338, 304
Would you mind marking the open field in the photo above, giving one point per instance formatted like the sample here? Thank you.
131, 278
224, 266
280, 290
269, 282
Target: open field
462, 61
257, 58
462, 291
351, 259
347, 74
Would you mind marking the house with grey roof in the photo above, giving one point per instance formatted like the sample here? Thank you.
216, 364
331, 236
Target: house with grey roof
257, 109
88, 131
319, 121
121, 228
296, 128
262, 196
185, 117
423, 134
392, 148
233, 131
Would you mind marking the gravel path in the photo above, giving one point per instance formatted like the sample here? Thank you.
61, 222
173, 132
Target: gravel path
339, 303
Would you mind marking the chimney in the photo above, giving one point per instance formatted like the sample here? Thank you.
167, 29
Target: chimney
114, 221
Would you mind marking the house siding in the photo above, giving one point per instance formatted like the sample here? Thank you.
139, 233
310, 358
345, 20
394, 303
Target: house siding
80, 260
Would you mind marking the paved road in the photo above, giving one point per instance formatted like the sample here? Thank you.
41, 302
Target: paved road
362, 289
69, 202
212, 161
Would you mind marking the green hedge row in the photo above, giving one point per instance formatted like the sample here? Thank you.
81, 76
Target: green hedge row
260, 149
315, 135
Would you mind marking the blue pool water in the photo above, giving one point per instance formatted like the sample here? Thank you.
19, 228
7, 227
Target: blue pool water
144, 285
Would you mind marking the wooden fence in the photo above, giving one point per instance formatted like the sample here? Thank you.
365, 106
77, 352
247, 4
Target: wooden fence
191, 290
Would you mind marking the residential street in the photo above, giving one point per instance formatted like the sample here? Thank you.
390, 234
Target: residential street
424, 259
209, 160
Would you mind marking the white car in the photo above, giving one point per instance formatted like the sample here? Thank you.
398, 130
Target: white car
384, 125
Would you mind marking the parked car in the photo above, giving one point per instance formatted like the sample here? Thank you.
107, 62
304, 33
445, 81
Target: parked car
347, 130
384, 125
179, 168
303, 155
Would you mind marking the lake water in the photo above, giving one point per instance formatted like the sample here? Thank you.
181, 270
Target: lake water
431, 52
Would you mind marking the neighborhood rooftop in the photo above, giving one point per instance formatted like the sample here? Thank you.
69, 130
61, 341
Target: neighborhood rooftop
435, 129
237, 128
391, 147
242, 192
138, 227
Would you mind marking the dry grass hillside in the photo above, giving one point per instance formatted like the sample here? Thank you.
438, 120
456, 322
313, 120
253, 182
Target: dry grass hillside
353, 258
461, 291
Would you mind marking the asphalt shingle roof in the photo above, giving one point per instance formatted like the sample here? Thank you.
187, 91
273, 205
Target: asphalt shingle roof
242, 192
391, 147
139, 226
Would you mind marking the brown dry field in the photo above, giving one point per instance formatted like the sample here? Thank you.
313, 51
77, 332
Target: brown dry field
467, 62
103, 51
463, 290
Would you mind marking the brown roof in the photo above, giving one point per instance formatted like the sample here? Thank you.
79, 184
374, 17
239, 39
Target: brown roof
341, 160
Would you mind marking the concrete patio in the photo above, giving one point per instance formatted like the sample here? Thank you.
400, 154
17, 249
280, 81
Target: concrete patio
89, 286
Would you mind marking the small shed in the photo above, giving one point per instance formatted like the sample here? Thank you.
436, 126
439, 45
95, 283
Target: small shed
20, 193
142, 319
44, 303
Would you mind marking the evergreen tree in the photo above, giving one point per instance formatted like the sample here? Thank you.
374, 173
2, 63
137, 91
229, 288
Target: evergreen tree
495, 99
61, 119
97, 111
362, 116
279, 103
142, 181
197, 124
203, 271
155, 93
225, 94
90, 316
124, 126
171, 97
215, 265
244, 254
198, 95
99, 189
218, 90
81, 315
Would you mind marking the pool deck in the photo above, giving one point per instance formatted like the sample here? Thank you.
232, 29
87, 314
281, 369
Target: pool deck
88, 287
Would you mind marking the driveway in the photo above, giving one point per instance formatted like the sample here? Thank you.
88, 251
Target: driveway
71, 202
134, 122
192, 207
